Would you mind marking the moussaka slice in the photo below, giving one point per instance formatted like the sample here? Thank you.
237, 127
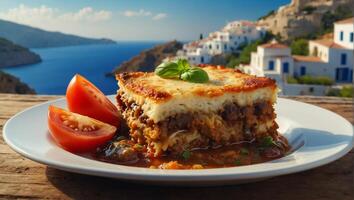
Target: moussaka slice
171, 116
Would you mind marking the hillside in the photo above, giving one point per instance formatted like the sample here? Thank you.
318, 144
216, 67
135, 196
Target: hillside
37, 38
149, 59
11, 84
12, 54
306, 18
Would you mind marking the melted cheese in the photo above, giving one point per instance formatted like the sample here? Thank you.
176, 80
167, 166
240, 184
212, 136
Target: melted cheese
225, 86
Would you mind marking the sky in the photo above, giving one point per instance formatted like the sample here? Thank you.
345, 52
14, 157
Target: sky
134, 20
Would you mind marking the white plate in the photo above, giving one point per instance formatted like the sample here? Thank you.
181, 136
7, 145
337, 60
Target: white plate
326, 137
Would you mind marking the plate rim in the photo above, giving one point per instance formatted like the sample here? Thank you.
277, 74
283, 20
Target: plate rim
174, 175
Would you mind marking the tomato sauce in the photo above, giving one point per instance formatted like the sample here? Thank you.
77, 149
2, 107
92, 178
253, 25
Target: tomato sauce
123, 151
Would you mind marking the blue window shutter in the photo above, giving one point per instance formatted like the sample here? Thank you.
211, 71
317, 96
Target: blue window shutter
271, 65
286, 67
351, 37
342, 74
341, 36
343, 59
302, 71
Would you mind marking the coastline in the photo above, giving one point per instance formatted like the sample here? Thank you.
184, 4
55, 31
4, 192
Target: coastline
148, 59
12, 84
18, 59
12, 54
59, 64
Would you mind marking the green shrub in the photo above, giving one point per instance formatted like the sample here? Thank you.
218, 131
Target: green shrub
233, 63
318, 80
333, 92
300, 47
346, 91
292, 80
310, 80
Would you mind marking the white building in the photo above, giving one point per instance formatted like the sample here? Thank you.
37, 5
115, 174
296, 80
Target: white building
273, 60
333, 58
226, 40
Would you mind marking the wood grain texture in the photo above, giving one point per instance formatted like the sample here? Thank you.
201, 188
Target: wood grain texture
21, 178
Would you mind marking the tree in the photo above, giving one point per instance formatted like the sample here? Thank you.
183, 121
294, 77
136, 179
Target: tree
201, 36
300, 47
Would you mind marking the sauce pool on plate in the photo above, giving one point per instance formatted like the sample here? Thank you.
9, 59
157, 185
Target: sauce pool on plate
124, 151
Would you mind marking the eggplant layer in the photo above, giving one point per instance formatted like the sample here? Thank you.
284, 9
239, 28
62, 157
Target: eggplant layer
194, 130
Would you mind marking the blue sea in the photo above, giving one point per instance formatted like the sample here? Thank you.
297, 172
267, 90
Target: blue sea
59, 65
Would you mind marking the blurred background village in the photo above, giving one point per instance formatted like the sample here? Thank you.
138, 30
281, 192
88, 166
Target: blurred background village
307, 46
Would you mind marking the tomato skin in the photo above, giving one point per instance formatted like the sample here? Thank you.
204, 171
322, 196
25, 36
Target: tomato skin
86, 99
77, 141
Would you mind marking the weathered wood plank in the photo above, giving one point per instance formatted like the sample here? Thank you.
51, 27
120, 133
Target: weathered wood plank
21, 178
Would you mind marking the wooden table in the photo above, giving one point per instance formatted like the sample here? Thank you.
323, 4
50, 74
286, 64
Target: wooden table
21, 178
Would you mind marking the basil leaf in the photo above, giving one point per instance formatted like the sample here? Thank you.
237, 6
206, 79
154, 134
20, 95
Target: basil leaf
168, 70
183, 65
182, 70
195, 75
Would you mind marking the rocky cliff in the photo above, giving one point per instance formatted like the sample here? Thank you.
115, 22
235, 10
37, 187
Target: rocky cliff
304, 17
149, 59
31, 37
12, 54
11, 84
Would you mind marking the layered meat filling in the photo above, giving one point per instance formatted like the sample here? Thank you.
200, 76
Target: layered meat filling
195, 130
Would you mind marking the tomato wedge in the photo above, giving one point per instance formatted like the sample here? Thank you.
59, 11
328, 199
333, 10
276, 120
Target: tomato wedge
78, 133
86, 99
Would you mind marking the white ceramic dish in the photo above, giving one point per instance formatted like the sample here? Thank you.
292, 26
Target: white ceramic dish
321, 137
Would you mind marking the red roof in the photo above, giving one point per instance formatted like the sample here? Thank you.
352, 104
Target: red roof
307, 58
327, 36
274, 45
193, 44
329, 43
346, 21
247, 23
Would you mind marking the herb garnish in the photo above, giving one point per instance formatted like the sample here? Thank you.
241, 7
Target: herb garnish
195, 75
267, 142
168, 70
182, 70
186, 154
